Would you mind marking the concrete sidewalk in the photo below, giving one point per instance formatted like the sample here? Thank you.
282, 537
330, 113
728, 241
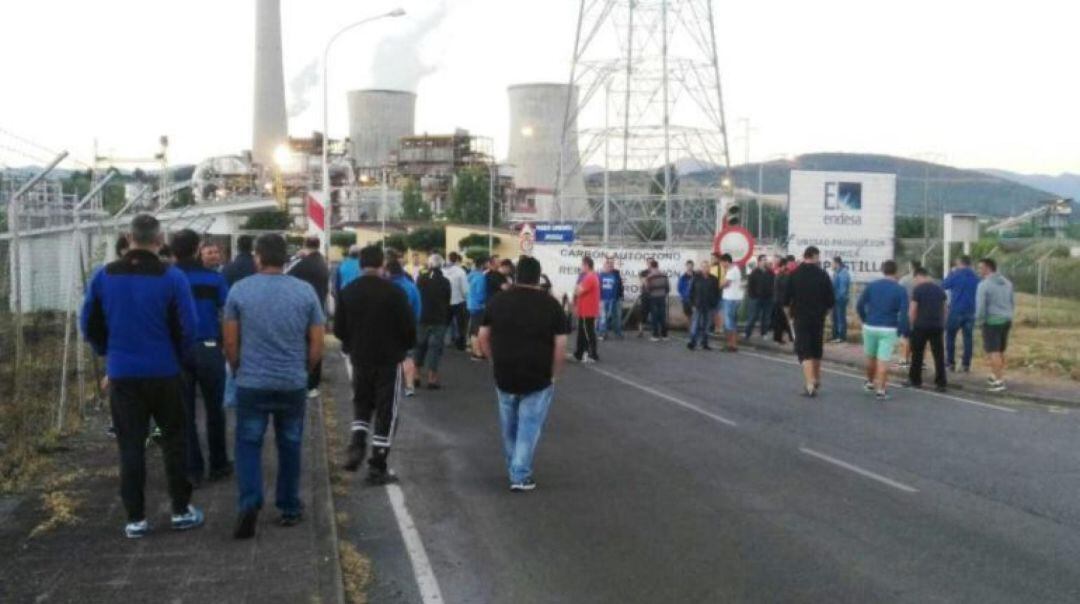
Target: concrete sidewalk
1043, 390
85, 557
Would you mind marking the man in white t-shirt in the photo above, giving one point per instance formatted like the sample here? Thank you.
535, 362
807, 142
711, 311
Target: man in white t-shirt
732, 297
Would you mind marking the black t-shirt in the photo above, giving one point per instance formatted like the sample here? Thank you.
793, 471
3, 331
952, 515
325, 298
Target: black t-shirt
493, 283
809, 292
524, 322
930, 313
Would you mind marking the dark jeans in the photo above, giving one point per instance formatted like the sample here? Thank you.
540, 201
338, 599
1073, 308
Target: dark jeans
586, 339
919, 339
839, 319
133, 402
429, 346
375, 407
658, 314
254, 409
700, 320
459, 325
780, 324
205, 372
757, 309
959, 322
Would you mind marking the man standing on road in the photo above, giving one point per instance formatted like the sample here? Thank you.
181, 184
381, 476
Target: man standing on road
348, 271
883, 310
704, 295
243, 264
611, 295
841, 291
781, 326
273, 340
474, 301
659, 287
686, 281
435, 296
732, 296
587, 307
459, 289
204, 364
962, 283
808, 297
994, 309
313, 270
399, 278
139, 314
376, 328
524, 333
759, 289
929, 306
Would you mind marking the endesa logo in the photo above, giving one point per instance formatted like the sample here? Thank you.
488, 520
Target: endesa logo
843, 203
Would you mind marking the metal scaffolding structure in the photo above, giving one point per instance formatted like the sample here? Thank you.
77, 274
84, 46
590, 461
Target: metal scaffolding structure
650, 101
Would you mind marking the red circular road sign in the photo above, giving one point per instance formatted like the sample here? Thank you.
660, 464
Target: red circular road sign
737, 241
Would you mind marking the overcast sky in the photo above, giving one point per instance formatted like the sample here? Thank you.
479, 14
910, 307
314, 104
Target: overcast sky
979, 84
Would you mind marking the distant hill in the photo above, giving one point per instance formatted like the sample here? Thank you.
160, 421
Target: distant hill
950, 189
1066, 185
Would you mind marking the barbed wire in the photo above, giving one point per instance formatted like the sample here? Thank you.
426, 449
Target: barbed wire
49, 153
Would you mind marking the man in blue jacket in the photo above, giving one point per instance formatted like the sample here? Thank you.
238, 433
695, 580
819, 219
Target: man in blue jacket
841, 292
204, 365
611, 296
400, 278
883, 310
685, 287
961, 284
474, 301
140, 315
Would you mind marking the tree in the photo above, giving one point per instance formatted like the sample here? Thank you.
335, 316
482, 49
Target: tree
272, 220
413, 206
426, 240
470, 196
477, 240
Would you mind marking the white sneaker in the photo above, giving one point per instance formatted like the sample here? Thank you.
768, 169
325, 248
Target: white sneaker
313, 393
587, 360
869, 386
409, 393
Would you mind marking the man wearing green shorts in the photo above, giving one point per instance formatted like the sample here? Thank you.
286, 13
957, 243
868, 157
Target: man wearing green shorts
883, 310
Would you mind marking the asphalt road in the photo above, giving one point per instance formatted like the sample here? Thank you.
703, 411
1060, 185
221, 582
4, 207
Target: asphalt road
671, 476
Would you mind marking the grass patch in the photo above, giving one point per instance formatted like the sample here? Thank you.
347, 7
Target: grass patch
60, 510
356, 573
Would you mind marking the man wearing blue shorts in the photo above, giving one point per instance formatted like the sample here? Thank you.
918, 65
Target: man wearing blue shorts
883, 310
732, 296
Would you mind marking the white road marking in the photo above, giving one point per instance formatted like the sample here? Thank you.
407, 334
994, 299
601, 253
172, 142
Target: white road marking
425, 574
862, 378
860, 471
414, 545
666, 397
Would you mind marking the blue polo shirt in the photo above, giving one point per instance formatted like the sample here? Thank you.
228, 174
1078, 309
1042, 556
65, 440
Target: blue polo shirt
962, 284
477, 293
210, 292
139, 313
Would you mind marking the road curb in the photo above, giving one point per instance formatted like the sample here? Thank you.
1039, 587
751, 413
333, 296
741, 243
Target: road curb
331, 582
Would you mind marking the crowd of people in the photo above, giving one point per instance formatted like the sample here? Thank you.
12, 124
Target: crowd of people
174, 323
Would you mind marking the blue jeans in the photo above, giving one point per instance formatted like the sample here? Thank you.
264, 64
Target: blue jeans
758, 310
658, 316
253, 411
963, 322
522, 417
731, 315
430, 342
699, 327
612, 318
839, 319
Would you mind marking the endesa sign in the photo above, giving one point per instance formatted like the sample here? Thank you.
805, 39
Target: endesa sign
846, 214
554, 233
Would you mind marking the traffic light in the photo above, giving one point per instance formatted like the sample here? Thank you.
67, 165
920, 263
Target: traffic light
732, 215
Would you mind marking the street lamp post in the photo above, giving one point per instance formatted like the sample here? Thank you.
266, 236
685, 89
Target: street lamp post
327, 205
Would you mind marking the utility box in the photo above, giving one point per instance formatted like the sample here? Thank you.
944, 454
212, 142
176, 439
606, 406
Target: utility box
959, 228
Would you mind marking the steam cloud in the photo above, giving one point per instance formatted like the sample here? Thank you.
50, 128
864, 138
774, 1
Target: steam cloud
397, 61
300, 88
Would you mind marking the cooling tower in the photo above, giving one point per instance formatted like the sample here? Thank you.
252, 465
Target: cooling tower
271, 121
537, 112
378, 119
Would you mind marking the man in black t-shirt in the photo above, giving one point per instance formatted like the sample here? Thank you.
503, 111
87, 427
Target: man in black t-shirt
808, 297
524, 333
927, 310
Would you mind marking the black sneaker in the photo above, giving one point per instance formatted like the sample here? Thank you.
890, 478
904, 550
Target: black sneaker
525, 485
288, 520
245, 524
690, 346
221, 473
378, 477
356, 453
941, 388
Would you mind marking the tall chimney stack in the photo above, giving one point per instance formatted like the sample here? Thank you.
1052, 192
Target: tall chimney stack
271, 120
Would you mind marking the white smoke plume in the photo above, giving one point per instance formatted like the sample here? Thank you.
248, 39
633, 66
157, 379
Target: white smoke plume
300, 88
397, 62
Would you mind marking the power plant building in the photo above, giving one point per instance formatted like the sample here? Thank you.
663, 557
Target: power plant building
271, 124
378, 120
